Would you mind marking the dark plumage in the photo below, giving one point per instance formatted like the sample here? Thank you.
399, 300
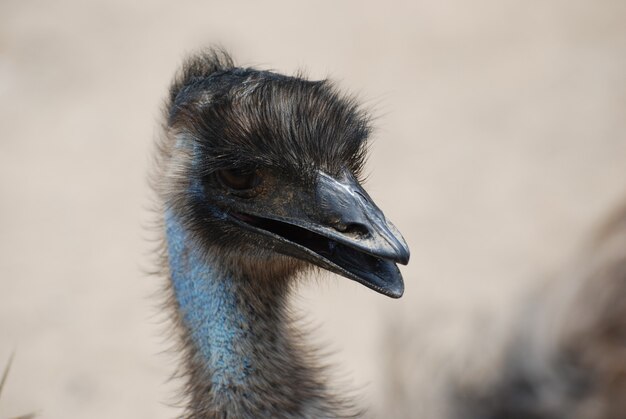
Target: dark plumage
266, 119
258, 179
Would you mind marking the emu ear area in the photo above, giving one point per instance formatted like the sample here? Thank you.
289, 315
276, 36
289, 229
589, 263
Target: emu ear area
335, 225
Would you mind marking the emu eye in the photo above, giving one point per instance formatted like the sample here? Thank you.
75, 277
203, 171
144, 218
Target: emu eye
238, 179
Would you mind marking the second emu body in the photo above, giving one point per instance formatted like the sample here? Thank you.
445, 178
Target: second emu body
258, 180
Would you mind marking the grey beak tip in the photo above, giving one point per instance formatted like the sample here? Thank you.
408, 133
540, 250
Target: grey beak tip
397, 291
405, 255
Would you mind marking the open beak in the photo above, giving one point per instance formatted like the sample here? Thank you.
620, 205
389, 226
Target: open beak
337, 227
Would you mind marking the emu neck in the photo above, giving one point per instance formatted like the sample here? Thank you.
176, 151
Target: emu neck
208, 304
240, 358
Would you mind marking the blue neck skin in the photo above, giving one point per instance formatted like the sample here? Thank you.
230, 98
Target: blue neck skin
208, 304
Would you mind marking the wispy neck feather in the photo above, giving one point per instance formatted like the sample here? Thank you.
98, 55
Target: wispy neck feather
242, 360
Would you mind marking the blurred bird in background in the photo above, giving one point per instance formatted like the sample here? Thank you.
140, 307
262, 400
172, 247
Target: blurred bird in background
566, 357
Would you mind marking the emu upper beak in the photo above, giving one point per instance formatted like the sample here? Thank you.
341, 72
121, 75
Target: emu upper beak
367, 245
357, 221
337, 227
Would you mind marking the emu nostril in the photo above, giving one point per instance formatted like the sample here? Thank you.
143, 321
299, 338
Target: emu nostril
353, 229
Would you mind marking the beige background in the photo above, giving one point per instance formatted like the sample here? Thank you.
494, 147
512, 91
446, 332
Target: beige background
501, 142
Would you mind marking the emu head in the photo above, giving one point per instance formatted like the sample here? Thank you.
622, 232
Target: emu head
263, 169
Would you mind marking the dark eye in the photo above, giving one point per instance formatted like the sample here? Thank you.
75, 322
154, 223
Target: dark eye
238, 179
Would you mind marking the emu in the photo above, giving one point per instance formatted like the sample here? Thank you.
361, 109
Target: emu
258, 180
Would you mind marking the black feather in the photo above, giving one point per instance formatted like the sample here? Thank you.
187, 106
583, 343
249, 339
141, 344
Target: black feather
247, 117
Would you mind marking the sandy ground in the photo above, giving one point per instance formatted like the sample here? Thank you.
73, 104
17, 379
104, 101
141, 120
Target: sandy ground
501, 144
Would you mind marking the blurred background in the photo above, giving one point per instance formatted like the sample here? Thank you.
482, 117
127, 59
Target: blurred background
500, 145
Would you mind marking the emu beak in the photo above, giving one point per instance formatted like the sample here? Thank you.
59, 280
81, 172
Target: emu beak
351, 211
337, 227
368, 245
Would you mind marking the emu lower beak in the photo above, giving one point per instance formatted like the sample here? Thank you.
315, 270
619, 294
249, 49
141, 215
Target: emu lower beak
337, 227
